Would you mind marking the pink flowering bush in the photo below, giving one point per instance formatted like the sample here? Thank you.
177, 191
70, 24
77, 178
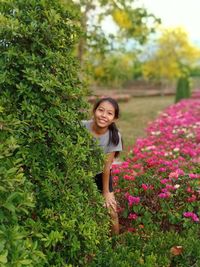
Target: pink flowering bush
159, 183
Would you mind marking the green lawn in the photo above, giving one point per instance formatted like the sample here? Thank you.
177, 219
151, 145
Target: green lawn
136, 114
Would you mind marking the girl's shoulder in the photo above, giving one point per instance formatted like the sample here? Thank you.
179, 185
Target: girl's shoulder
120, 136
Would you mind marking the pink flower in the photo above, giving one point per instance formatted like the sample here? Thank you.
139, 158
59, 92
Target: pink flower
194, 176
131, 229
173, 175
125, 164
115, 178
176, 174
133, 200
145, 187
191, 215
126, 195
192, 198
164, 181
115, 171
162, 169
164, 195
118, 190
164, 190
137, 166
120, 209
129, 177
133, 216
189, 189
169, 186
180, 172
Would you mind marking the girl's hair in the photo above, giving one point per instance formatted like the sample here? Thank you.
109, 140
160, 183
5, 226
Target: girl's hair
113, 130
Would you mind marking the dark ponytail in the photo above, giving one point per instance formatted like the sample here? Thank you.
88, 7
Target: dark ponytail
114, 137
113, 134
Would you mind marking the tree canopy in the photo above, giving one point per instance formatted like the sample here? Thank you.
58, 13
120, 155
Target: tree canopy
130, 19
171, 56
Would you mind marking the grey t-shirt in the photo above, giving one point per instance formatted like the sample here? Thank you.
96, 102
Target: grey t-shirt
103, 140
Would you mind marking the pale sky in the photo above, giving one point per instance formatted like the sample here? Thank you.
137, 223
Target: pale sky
184, 13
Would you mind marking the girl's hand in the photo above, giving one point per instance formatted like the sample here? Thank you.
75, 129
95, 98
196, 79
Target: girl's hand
110, 201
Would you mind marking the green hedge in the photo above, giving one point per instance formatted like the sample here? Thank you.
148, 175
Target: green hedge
182, 88
152, 249
51, 213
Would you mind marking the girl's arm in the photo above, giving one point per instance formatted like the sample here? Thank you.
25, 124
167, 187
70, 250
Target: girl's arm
109, 196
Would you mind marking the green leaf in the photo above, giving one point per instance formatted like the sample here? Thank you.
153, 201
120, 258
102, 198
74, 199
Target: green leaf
2, 189
25, 262
3, 257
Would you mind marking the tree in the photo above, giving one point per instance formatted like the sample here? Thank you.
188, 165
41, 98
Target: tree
51, 213
131, 22
171, 56
114, 70
97, 49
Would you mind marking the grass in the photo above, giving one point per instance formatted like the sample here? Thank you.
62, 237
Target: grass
136, 115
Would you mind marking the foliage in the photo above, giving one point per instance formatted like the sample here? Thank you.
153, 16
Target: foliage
133, 21
51, 213
158, 184
130, 22
182, 89
114, 70
152, 249
195, 72
130, 19
173, 55
17, 245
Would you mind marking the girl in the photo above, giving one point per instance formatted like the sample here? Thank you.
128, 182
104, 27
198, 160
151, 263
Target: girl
103, 128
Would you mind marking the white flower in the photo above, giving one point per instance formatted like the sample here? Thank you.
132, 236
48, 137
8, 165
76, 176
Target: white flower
176, 149
155, 133
190, 135
148, 148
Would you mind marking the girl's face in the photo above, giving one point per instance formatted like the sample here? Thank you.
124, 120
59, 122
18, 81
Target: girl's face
104, 115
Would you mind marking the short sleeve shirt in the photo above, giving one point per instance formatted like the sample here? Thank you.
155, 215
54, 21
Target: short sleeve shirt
103, 140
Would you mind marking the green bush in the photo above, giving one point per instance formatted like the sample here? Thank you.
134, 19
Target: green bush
17, 247
51, 213
152, 249
182, 89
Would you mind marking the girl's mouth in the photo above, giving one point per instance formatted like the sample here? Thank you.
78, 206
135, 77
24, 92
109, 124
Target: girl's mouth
102, 121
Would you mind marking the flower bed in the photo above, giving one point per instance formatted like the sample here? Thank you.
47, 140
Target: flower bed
158, 184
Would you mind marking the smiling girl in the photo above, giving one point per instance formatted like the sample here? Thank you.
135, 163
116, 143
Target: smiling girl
103, 128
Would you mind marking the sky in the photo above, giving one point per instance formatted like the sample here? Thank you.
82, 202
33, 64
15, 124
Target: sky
184, 13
